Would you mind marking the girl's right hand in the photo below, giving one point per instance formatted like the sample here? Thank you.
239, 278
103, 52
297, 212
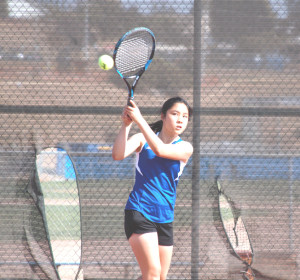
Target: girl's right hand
125, 118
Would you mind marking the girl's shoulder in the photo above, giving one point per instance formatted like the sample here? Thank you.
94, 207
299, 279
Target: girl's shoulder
185, 145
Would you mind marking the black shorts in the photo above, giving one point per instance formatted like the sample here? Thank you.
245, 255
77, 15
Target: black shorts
135, 222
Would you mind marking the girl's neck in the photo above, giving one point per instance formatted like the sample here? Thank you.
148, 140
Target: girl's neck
167, 139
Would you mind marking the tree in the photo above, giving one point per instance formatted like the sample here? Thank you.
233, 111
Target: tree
294, 15
241, 22
3, 9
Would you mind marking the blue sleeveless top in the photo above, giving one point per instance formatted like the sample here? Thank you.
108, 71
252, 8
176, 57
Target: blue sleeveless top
154, 191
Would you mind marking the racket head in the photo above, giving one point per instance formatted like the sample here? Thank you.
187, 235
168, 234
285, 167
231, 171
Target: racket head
133, 54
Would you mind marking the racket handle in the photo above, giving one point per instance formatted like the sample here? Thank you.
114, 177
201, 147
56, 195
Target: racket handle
129, 99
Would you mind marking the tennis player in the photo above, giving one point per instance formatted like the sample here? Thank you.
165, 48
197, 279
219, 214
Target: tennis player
161, 157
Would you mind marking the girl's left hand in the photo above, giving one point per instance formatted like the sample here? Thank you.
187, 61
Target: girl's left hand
133, 112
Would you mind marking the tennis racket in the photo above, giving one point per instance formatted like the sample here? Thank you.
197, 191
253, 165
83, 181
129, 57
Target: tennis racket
132, 56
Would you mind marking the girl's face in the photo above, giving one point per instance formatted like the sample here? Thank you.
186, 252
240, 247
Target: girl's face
176, 119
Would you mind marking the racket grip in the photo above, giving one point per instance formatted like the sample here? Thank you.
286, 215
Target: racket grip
129, 99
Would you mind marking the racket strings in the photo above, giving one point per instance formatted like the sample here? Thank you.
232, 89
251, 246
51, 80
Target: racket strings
133, 54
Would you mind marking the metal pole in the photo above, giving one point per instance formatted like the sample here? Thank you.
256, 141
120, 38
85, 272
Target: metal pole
291, 196
86, 29
196, 142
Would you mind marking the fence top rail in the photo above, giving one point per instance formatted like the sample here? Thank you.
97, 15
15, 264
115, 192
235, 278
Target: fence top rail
202, 154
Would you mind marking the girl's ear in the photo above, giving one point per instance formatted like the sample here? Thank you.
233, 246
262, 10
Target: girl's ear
162, 116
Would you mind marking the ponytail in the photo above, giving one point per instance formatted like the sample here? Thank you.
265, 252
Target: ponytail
157, 126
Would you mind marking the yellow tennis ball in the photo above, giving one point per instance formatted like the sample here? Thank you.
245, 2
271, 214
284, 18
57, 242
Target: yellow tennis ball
106, 62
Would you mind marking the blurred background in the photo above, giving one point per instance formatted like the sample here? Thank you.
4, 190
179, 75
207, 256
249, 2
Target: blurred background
237, 62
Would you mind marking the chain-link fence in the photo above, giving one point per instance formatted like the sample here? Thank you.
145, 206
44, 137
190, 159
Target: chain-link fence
62, 198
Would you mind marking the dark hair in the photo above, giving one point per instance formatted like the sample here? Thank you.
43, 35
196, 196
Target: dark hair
157, 126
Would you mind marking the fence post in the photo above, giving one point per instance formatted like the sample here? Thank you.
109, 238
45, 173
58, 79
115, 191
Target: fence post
196, 142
